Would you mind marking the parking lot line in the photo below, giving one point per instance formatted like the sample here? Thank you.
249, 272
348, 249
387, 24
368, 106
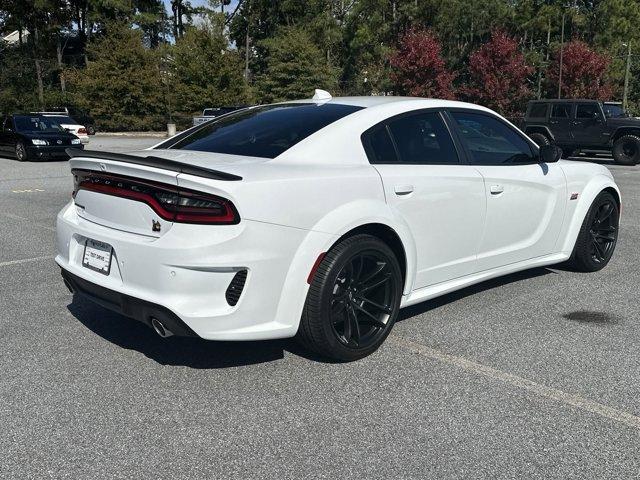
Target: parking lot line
569, 399
25, 260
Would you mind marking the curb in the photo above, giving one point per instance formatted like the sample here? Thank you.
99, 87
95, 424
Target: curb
132, 134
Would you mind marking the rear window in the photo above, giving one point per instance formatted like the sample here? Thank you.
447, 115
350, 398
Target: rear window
538, 110
263, 131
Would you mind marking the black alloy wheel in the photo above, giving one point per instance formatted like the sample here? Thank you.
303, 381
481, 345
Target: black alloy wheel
353, 300
363, 299
598, 235
604, 232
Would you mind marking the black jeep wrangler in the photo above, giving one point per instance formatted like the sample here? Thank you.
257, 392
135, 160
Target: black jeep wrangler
584, 125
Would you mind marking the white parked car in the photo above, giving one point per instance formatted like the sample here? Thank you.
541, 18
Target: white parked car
71, 125
321, 218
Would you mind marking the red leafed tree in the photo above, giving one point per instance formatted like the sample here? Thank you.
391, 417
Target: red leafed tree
417, 68
583, 72
498, 76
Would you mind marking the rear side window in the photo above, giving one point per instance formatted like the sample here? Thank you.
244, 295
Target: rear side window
264, 131
538, 110
8, 124
587, 110
423, 138
378, 145
561, 110
490, 141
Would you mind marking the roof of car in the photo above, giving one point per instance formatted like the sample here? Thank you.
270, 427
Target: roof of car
376, 100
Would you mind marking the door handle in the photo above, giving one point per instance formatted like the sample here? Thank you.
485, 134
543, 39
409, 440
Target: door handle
496, 189
403, 189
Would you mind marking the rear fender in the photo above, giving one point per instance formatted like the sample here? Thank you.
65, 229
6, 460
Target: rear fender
324, 235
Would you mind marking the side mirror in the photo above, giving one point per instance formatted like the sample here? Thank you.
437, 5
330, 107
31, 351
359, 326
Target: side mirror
550, 153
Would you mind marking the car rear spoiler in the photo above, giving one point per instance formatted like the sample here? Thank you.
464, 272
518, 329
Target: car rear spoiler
157, 162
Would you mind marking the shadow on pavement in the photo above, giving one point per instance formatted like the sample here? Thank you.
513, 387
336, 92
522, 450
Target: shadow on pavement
472, 290
205, 354
177, 351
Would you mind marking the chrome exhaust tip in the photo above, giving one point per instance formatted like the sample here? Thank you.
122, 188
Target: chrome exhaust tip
160, 329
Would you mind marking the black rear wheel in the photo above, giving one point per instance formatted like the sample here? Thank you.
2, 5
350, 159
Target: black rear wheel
598, 235
353, 299
626, 150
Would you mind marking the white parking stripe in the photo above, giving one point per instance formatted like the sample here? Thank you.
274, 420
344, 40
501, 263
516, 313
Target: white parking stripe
520, 382
25, 260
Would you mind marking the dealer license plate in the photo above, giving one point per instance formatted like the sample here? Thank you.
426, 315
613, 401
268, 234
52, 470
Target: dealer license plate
97, 256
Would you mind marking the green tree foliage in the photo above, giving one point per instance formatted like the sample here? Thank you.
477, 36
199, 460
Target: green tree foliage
174, 58
122, 83
294, 66
204, 71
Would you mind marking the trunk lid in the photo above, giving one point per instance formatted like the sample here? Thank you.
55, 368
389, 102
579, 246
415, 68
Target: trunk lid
135, 216
121, 213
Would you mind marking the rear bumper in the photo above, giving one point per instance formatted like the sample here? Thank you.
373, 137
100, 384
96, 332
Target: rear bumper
126, 305
186, 274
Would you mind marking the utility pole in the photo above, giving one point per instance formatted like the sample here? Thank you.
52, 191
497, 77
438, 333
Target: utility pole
627, 74
561, 59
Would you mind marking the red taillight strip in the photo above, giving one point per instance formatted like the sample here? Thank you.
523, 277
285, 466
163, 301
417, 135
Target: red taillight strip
186, 215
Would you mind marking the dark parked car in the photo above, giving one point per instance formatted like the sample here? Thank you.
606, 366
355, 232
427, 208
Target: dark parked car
586, 125
35, 137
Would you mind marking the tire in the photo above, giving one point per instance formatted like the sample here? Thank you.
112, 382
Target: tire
21, 152
353, 300
626, 150
598, 235
540, 139
91, 130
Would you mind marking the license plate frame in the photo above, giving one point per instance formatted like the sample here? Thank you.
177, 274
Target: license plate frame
97, 256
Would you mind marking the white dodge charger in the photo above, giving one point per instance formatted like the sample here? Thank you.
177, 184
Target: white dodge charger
321, 218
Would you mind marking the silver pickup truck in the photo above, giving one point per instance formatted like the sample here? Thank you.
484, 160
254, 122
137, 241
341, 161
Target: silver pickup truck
211, 113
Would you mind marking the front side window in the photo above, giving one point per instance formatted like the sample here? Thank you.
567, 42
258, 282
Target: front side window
263, 131
423, 138
561, 110
587, 110
490, 141
538, 110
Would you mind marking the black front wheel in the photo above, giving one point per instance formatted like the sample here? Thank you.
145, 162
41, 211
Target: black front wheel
21, 152
353, 300
598, 235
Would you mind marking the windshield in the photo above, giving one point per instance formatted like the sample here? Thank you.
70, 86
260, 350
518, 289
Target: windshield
37, 124
263, 131
614, 110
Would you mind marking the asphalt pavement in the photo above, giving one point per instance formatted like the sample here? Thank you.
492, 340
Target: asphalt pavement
535, 375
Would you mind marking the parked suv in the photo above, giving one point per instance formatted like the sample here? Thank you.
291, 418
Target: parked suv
584, 125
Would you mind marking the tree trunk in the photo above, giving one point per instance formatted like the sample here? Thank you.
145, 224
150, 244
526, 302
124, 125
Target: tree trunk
63, 83
40, 83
